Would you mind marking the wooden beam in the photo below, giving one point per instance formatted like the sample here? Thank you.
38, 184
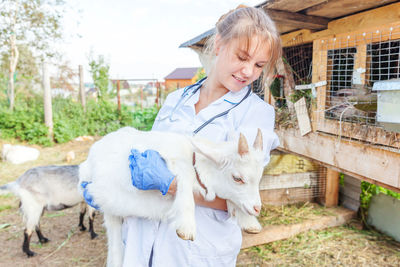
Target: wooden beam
319, 73
299, 20
367, 133
357, 159
332, 188
283, 28
290, 5
388, 16
296, 38
340, 8
272, 233
347, 172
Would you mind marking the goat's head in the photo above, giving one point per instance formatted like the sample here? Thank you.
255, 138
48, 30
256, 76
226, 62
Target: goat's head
233, 171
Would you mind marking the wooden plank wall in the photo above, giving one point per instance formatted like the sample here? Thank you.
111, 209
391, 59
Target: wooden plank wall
349, 193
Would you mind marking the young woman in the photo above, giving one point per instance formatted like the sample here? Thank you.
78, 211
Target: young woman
246, 45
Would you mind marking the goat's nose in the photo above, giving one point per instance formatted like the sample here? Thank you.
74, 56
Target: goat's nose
257, 209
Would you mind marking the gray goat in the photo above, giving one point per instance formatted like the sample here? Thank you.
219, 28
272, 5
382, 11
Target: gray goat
47, 188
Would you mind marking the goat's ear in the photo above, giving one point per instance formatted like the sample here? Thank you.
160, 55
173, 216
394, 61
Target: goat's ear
258, 142
243, 148
209, 150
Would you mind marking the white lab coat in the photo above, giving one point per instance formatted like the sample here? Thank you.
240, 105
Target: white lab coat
218, 238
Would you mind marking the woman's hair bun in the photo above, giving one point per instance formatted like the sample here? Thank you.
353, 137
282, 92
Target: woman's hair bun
230, 12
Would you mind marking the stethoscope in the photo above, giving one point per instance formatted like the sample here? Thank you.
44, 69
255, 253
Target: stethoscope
186, 95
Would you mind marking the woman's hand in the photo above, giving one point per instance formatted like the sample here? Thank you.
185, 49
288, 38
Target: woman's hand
172, 187
217, 203
149, 171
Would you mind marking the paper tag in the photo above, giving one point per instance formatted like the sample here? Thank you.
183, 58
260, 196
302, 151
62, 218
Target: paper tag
302, 116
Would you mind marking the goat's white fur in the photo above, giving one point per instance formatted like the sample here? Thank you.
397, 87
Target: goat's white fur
107, 167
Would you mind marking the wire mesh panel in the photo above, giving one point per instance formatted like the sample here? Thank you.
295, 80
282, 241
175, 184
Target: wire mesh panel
345, 99
299, 57
341, 65
290, 179
351, 64
383, 61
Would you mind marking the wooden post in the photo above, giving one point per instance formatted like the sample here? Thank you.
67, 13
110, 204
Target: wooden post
48, 114
141, 97
118, 96
82, 95
157, 94
332, 188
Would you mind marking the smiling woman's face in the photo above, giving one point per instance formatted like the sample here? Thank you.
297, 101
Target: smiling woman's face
239, 63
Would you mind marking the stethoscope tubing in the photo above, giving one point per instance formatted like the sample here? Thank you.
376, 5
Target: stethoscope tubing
199, 84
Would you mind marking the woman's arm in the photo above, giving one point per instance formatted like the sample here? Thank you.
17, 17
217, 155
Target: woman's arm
217, 203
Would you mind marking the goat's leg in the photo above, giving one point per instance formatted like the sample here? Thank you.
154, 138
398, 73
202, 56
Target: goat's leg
42, 238
184, 205
91, 220
25, 244
31, 211
82, 216
115, 252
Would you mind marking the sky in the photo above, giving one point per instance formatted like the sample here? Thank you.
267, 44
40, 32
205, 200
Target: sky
139, 38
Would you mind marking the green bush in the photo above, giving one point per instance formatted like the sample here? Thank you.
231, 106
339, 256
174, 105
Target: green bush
143, 119
368, 190
69, 120
26, 123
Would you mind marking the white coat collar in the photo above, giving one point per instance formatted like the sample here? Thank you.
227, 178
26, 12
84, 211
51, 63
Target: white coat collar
230, 97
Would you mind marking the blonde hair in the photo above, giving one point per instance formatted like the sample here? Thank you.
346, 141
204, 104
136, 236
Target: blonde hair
243, 23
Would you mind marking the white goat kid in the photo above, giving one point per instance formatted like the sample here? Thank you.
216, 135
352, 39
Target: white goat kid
228, 170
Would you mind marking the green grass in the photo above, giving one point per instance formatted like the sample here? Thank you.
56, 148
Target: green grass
5, 196
5, 207
338, 246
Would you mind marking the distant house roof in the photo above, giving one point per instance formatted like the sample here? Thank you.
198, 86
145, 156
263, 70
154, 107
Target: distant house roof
182, 74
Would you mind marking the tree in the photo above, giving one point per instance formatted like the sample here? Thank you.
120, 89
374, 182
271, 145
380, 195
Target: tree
35, 23
27, 71
65, 77
99, 69
200, 74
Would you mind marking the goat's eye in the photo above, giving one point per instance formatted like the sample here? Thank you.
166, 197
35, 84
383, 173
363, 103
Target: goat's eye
238, 179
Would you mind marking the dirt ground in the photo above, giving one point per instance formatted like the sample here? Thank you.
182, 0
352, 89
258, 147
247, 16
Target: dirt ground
68, 246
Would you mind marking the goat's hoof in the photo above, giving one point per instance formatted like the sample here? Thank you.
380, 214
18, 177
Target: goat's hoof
93, 235
83, 228
185, 236
30, 253
252, 230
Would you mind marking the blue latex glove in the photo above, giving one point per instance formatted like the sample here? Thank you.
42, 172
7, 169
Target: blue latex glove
149, 171
88, 198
